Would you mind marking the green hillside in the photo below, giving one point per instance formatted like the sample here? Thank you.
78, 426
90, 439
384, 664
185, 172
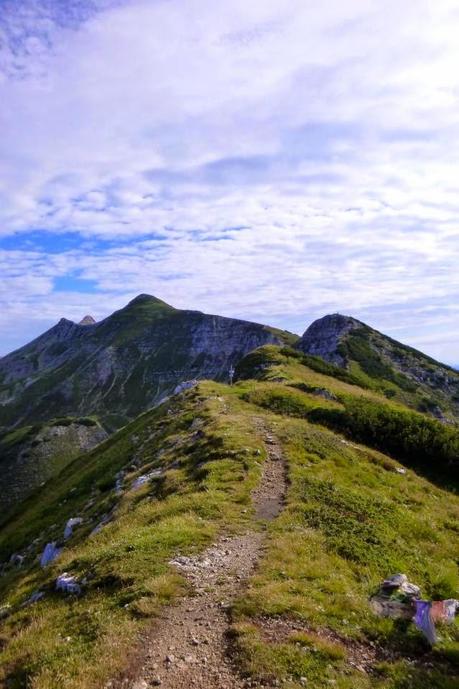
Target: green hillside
303, 619
118, 368
30, 455
381, 363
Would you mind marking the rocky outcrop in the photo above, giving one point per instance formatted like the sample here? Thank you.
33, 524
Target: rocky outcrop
323, 337
87, 320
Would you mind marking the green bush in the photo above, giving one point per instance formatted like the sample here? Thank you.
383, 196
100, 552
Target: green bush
410, 437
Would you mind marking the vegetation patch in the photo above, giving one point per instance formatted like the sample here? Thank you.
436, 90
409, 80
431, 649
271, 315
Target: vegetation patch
350, 521
210, 460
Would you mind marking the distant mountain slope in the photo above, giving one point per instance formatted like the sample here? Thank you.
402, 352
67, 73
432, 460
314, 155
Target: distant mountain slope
123, 365
31, 455
383, 363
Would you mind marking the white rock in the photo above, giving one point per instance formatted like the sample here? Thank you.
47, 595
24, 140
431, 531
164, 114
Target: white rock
68, 584
50, 553
145, 478
74, 521
185, 385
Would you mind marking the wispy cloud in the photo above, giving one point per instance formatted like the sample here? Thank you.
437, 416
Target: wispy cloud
273, 161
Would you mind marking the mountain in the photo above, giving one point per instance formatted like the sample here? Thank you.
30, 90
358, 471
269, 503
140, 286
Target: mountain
125, 364
380, 362
31, 455
233, 536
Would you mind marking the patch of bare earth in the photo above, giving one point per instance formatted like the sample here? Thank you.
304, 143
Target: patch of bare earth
188, 646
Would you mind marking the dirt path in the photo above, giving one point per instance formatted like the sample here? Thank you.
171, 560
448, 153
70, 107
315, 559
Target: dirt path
189, 646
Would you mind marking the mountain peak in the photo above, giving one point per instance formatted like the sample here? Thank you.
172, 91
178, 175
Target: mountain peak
87, 320
64, 321
145, 298
324, 335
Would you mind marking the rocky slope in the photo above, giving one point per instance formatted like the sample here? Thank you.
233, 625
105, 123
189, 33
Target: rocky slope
123, 365
31, 455
383, 363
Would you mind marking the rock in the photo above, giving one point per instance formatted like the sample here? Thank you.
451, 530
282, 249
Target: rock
140, 684
323, 337
395, 581
119, 482
185, 385
145, 478
68, 584
74, 521
16, 560
34, 598
50, 553
103, 522
87, 320
326, 394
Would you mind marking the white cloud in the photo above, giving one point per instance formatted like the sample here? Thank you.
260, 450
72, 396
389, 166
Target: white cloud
326, 131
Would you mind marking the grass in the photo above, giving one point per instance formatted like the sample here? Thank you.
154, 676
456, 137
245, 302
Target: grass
369, 374
80, 642
289, 386
350, 520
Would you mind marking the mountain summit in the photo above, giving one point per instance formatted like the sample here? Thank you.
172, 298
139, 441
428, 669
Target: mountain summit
383, 363
87, 320
124, 364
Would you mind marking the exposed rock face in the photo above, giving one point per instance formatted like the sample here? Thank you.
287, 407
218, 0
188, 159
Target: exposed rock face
29, 456
87, 320
124, 364
323, 337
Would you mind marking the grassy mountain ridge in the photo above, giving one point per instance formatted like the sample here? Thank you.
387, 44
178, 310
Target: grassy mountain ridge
381, 362
350, 520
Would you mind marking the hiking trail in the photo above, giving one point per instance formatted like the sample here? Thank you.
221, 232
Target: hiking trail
188, 646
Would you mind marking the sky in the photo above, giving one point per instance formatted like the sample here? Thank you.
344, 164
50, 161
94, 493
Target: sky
274, 160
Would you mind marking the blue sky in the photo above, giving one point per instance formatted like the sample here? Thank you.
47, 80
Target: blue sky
274, 160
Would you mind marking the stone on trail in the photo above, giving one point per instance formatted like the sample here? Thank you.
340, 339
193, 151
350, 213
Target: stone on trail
140, 684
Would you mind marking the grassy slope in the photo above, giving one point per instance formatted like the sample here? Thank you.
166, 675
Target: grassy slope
30, 455
358, 412
350, 521
371, 356
78, 643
